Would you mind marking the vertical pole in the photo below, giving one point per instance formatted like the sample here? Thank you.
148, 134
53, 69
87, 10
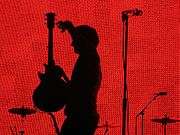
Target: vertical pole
125, 47
136, 125
142, 126
165, 129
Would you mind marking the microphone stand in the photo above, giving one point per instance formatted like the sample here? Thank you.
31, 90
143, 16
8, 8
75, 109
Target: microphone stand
125, 18
142, 115
124, 53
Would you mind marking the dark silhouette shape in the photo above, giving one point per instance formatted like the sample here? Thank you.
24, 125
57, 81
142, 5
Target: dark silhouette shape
23, 112
164, 121
80, 110
49, 94
54, 123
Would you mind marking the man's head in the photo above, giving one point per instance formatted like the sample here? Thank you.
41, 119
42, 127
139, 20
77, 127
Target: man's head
84, 39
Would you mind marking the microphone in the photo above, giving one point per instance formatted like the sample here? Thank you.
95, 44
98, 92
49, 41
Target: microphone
161, 93
132, 12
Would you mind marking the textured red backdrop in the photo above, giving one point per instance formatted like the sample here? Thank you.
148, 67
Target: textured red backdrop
152, 59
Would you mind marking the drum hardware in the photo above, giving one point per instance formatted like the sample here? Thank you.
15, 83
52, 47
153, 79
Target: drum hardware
164, 121
23, 112
142, 112
107, 126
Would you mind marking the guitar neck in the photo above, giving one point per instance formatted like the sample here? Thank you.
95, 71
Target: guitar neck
50, 25
50, 47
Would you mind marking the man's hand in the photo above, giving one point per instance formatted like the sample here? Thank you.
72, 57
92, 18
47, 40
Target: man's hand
56, 70
65, 25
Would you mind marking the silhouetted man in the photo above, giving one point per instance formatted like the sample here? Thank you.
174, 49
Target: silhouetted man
81, 113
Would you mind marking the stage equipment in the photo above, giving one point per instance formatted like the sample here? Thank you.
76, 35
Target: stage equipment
125, 16
50, 94
164, 121
142, 112
107, 126
23, 112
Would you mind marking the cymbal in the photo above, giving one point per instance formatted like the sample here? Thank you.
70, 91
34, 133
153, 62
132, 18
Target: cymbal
165, 120
23, 111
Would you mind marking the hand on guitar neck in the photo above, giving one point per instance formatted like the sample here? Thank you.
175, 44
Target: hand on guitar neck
65, 25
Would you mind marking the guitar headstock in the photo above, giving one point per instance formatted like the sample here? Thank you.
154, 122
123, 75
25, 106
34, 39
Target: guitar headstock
50, 20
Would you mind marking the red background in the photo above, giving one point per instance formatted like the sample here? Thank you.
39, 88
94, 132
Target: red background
152, 59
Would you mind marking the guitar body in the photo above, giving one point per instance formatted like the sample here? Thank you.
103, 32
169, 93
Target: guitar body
49, 96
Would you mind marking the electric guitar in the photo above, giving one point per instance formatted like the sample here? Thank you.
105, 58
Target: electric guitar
49, 96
